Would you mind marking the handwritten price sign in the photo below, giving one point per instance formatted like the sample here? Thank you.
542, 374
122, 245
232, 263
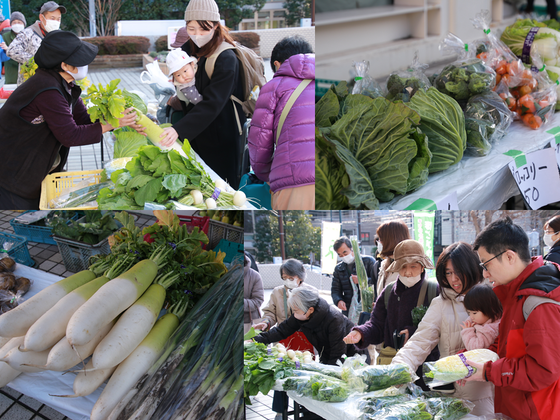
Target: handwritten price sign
537, 177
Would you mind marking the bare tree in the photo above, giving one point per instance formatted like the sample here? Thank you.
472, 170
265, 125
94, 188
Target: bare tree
106, 15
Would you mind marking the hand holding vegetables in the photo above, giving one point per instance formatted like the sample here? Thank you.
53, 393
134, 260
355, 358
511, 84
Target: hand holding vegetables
168, 137
128, 119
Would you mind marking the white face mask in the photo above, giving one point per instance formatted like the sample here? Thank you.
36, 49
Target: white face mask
51, 25
379, 247
548, 241
410, 281
291, 284
348, 259
82, 73
17, 28
202, 40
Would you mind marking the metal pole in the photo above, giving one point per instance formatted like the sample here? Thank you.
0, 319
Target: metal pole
359, 230
92, 27
281, 231
312, 12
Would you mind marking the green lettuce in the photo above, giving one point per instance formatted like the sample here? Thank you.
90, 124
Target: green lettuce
128, 142
133, 100
418, 166
330, 176
547, 39
326, 110
442, 120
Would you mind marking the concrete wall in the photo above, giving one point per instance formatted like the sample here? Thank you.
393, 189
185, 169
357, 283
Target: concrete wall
270, 274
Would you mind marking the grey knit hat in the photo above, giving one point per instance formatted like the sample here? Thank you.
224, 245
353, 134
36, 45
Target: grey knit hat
202, 10
18, 16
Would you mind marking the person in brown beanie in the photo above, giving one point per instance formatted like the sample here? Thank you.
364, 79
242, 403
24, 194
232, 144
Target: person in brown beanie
211, 126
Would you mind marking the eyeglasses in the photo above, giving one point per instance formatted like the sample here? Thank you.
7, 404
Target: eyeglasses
483, 265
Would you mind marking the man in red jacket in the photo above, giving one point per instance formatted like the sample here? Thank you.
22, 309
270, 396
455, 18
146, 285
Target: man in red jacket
527, 375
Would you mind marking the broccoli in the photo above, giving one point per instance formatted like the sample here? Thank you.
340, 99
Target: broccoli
459, 89
464, 80
395, 84
480, 82
402, 89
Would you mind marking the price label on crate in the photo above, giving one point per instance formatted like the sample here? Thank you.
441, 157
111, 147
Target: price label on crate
537, 177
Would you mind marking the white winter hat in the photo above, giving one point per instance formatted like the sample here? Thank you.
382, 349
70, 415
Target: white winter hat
202, 10
176, 59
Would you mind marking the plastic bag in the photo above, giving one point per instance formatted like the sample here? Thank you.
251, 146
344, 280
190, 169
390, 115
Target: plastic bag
319, 387
329, 370
537, 107
467, 76
9, 300
449, 408
7, 263
487, 120
498, 56
154, 75
402, 85
370, 405
14, 284
410, 410
373, 378
454, 368
84, 194
365, 85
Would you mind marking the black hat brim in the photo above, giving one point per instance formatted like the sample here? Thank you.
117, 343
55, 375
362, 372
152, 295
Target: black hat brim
83, 55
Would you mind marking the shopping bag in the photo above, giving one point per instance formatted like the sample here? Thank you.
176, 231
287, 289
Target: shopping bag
256, 190
153, 74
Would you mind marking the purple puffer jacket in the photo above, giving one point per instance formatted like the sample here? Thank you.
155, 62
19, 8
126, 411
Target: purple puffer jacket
294, 160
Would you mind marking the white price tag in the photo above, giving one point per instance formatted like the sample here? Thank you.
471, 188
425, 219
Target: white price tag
537, 177
556, 147
449, 202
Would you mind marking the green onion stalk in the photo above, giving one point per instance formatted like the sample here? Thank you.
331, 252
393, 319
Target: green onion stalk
366, 291
199, 374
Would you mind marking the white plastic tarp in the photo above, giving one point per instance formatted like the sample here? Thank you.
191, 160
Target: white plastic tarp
40, 385
481, 183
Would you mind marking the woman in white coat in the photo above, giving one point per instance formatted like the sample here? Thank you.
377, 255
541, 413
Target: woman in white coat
457, 270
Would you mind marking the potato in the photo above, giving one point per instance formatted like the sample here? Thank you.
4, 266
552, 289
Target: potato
7, 281
23, 284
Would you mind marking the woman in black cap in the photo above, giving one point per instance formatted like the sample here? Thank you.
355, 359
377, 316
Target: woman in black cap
44, 117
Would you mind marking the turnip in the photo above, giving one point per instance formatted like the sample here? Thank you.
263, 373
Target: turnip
219, 183
26, 361
132, 327
112, 299
16, 322
239, 198
291, 354
197, 196
7, 374
88, 380
51, 327
134, 366
210, 203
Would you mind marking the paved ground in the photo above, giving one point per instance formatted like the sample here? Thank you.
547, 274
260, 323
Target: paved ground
13, 405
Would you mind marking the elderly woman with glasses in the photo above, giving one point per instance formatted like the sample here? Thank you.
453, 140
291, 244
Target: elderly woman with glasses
458, 269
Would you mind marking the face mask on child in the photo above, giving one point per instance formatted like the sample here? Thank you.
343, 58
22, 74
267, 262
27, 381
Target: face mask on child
17, 28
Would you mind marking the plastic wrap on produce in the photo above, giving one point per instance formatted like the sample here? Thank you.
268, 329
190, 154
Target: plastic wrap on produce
402, 85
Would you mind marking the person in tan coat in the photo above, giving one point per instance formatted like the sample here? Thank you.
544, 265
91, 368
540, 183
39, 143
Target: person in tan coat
253, 294
457, 270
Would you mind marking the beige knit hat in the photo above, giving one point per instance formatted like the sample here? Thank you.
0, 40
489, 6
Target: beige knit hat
202, 10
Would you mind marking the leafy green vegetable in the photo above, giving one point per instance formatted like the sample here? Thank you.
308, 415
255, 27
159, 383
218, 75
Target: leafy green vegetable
418, 313
411, 410
448, 408
547, 40
330, 176
418, 166
402, 89
108, 103
465, 79
487, 119
134, 101
370, 405
442, 120
326, 110
91, 229
128, 142
373, 378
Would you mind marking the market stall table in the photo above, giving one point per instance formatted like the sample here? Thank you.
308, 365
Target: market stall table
481, 183
42, 385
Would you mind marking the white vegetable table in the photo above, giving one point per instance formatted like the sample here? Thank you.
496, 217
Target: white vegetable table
40, 385
481, 183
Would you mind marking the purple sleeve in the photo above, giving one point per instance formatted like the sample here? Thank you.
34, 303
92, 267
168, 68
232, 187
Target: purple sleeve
81, 117
56, 112
373, 331
261, 135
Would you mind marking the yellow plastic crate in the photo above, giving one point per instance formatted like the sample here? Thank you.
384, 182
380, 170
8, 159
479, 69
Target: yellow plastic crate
54, 184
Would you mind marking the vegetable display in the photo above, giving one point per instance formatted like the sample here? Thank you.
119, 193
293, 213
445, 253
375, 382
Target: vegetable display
465, 79
91, 229
401, 86
366, 291
373, 378
546, 40
112, 317
442, 120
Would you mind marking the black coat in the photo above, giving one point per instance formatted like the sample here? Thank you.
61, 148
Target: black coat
341, 287
325, 330
554, 253
210, 126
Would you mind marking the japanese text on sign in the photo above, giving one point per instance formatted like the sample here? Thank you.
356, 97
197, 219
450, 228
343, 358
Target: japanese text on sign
538, 179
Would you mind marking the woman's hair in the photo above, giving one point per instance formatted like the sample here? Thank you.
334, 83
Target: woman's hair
502, 235
340, 241
303, 298
482, 298
390, 234
293, 268
287, 47
553, 223
465, 264
221, 34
